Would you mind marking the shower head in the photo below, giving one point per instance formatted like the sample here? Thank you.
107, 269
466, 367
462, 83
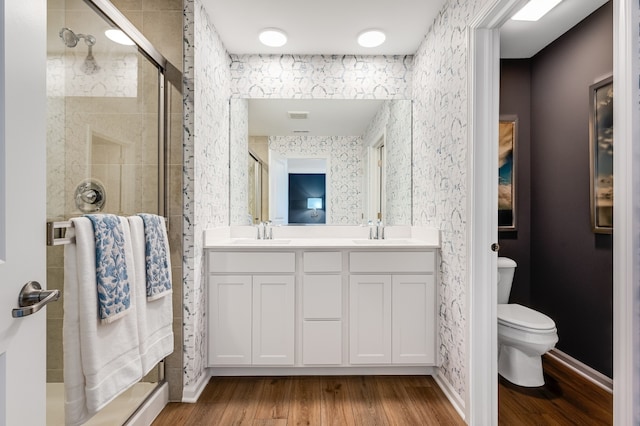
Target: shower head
71, 39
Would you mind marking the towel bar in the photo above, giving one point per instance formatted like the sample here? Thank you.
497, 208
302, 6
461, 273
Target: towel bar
56, 232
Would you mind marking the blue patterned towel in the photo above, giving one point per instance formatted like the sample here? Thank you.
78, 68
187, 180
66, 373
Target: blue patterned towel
157, 255
114, 290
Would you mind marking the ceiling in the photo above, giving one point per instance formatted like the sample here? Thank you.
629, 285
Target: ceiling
331, 26
326, 117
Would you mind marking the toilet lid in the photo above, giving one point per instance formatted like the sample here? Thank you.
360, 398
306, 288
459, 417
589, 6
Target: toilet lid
518, 316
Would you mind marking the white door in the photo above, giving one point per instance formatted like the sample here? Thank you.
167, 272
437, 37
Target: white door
23, 56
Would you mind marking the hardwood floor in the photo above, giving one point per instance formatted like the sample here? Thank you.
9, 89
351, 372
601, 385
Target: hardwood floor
325, 400
566, 399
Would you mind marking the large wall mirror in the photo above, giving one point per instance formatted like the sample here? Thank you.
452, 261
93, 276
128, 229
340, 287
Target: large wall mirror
316, 161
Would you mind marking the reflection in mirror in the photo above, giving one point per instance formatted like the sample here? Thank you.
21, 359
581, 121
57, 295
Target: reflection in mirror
360, 149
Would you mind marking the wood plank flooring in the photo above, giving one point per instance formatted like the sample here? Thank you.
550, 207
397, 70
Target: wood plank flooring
322, 400
566, 399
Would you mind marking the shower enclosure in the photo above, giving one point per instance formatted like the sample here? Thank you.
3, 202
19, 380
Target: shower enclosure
111, 99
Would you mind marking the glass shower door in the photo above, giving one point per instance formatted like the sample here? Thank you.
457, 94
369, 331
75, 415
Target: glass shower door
105, 147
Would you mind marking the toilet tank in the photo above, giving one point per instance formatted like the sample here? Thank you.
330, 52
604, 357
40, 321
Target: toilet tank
506, 269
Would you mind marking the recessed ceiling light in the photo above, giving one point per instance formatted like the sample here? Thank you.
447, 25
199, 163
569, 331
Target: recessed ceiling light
118, 36
273, 37
534, 10
371, 38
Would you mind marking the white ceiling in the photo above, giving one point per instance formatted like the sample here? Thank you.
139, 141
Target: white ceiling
331, 26
327, 117
521, 39
323, 26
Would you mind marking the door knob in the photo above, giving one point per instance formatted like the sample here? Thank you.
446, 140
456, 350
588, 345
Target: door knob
495, 247
32, 298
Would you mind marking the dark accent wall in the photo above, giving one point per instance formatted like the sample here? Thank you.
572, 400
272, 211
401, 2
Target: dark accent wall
571, 268
515, 100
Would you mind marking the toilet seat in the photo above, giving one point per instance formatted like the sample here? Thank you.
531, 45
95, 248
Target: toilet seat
520, 317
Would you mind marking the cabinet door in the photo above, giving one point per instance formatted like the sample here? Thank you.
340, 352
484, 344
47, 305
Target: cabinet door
229, 320
273, 320
413, 322
370, 319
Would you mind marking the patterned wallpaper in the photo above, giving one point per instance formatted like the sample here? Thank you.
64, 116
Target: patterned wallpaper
206, 161
344, 180
321, 76
440, 172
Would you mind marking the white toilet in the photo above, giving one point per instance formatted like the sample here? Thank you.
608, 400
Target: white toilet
523, 334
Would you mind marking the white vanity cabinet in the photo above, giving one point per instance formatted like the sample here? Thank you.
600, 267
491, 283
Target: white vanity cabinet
251, 308
322, 309
392, 307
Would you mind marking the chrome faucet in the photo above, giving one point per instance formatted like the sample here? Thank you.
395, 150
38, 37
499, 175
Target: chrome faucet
376, 232
265, 230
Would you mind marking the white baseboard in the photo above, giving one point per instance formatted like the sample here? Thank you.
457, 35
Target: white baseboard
192, 392
322, 371
584, 370
153, 405
450, 393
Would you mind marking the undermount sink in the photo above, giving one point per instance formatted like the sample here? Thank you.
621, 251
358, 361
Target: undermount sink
382, 242
260, 242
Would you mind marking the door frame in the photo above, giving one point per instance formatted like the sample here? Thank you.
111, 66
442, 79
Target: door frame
484, 56
626, 216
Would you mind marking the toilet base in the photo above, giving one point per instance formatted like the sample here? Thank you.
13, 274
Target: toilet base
519, 368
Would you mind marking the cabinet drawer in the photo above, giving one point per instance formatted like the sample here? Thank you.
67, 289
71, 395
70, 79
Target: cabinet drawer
392, 261
322, 343
251, 262
322, 261
322, 296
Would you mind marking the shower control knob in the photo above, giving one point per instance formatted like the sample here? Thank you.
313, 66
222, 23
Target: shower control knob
495, 247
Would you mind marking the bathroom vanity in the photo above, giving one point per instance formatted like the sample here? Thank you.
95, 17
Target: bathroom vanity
322, 304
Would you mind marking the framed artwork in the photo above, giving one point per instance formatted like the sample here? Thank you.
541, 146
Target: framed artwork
508, 132
601, 155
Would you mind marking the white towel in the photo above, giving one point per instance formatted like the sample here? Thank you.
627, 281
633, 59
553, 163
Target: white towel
100, 360
155, 317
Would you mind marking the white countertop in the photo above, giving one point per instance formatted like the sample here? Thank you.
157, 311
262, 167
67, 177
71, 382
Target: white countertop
321, 237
